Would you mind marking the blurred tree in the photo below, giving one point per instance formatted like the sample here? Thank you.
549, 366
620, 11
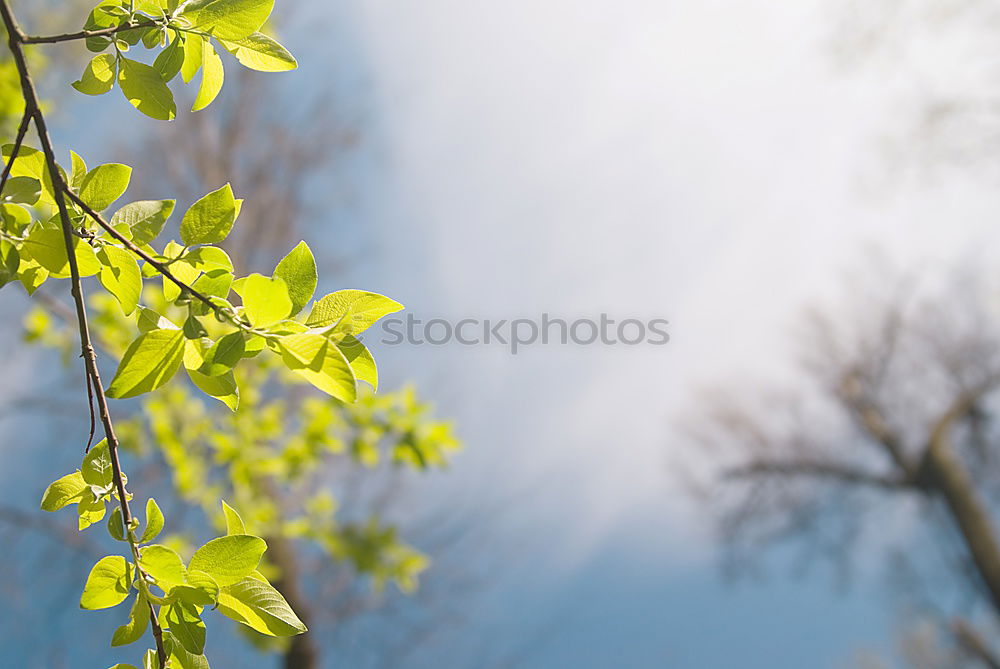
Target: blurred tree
889, 441
937, 56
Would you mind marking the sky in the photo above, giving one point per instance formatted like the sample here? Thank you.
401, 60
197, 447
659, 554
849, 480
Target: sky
704, 162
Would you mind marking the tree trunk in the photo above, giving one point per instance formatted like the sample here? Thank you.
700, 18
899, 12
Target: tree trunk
303, 652
947, 474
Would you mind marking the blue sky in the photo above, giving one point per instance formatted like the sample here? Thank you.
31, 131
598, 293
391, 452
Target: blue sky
704, 162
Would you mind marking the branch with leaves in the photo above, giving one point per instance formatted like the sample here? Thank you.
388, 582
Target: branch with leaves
52, 227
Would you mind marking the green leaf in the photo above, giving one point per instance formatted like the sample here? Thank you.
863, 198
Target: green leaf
100, 17
97, 469
180, 658
163, 564
200, 589
63, 492
150, 361
208, 258
298, 270
78, 172
259, 52
23, 190
234, 524
222, 387
228, 19
108, 583
90, 510
354, 310
154, 521
187, 627
120, 276
169, 61
210, 219
138, 621
99, 76
265, 299
47, 247
116, 528
191, 47
150, 660
229, 559
181, 270
321, 363
193, 329
31, 163
104, 184
212, 76
194, 352
360, 359
148, 319
146, 90
214, 283
145, 217
259, 606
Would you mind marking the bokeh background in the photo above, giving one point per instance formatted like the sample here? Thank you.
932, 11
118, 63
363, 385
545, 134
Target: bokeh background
723, 165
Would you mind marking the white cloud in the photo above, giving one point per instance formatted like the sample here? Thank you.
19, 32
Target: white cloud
692, 160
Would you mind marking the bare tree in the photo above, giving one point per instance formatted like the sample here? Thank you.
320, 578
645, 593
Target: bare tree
889, 443
948, 113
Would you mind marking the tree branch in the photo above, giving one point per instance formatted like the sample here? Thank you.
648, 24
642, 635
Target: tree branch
161, 267
942, 471
22, 130
15, 41
973, 643
85, 34
817, 469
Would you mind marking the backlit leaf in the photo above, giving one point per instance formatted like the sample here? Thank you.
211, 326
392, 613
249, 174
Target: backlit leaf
229, 559
99, 75
210, 219
108, 583
146, 90
259, 52
258, 605
298, 270
149, 362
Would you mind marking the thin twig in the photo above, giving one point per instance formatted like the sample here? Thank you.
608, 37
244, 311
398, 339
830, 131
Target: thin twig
86, 34
161, 267
22, 130
15, 40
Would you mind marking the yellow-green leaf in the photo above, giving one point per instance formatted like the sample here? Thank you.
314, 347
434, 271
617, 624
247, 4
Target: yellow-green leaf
163, 564
120, 276
259, 52
146, 90
212, 76
265, 299
154, 521
353, 311
149, 362
63, 492
321, 363
99, 75
229, 559
258, 605
210, 219
108, 583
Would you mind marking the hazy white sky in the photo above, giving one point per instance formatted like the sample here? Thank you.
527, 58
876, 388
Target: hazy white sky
705, 162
